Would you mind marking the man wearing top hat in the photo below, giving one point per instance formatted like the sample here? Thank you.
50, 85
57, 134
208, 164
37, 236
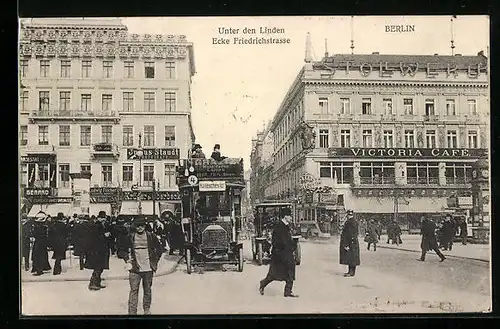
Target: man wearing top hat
57, 235
141, 252
197, 153
216, 153
98, 251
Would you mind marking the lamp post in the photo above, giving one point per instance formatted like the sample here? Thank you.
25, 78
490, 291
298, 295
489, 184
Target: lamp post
140, 154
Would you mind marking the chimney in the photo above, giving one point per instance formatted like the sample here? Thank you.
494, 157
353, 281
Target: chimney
308, 56
436, 54
375, 53
458, 54
481, 53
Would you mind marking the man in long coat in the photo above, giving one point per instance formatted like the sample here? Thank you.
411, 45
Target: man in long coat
371, 235
40, 254
81, 239
26, 235
449, 231
98, 251
349, 245
429, 241
58, 236
282, 265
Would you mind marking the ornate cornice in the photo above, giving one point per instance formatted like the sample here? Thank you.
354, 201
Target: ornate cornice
419, 84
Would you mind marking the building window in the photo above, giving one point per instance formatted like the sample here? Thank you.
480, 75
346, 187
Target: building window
323, 105
129, 69
473, 140
65, 69
452, 139
128, 101
170, 70
169, 136
107, 134
387, 104
107, 69
85, 168
472, 105
342, 171
44, 68
24, 135
149, 135
388, 138
324, 136
170, 176
450, 107
149, 101
170, 101
86, 102
377, 173
43, 175
64, 135
366, 106
24, 100
86, 68
43, 101
149, 70
345, 106
64, 100
85, 135
430, 139
128, 175
128, 135
107, 101
107, 174
422, 173
64, 175
345, 138
148, 175
367, 138
408, 106
429, 106
409, 139
24, 68
43, 135
458, 173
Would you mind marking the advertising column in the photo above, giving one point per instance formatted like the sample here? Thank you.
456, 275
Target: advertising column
81, 192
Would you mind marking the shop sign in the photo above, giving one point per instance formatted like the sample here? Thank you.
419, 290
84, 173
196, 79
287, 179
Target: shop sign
39, 158
328, 198
209, 168
154, 154
103, 199
407, 153
208, 186
160, 195
95, 191
103, 147
36, 192
50, 200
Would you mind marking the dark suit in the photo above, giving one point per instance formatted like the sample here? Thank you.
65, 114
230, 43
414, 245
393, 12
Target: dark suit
282, 265
429, 241
349, 245
216, 156
57, 236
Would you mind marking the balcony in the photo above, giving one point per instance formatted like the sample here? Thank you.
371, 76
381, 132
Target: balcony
457, 180
422, 180
388, 117
377, 180
105, 150
431, 118
36, 148
74, 115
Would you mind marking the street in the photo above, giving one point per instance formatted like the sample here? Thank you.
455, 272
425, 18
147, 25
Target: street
386, 281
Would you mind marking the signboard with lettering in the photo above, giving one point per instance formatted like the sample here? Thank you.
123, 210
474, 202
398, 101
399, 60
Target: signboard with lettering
160, 195
208, 186
408, 153
211, 169
47, 200
154, 154
103, 147
94, 191
36, 192
39, 158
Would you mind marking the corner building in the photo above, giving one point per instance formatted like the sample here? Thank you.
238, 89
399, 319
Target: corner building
88, 89
389, 133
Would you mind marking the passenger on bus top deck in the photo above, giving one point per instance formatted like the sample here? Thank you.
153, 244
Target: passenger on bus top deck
197, 153
216, 153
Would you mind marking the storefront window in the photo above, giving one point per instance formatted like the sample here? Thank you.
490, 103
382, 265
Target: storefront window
422, 172
458, 173
377, 173
342, 171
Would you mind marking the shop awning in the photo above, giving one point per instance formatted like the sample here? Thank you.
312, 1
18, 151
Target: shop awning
132, 208
386, 205
95, 208
52, 209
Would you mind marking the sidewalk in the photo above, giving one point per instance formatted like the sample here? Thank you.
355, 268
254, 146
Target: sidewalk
71, 270
411, 242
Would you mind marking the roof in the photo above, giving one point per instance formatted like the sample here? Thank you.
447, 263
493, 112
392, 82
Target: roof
80, 21
357, 60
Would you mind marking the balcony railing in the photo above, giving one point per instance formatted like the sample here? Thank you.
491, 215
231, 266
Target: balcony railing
105, 149
457, 180
422, 180
377, 180
74, 114
431, 117
37, 148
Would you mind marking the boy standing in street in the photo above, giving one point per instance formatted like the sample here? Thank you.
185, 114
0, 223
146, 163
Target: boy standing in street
141, 252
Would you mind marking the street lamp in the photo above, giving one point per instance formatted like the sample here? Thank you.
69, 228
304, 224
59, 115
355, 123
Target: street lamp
140, 154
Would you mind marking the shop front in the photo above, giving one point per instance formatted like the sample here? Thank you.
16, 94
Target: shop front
149, 205
40, 170
104, 199
51, 206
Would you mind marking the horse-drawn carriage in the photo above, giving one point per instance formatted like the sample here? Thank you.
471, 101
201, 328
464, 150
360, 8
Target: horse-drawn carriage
265, 217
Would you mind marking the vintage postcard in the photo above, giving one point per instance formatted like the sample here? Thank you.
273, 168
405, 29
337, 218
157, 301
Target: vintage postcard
254, 165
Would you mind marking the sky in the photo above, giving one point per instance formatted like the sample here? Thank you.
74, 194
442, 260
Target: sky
237, 89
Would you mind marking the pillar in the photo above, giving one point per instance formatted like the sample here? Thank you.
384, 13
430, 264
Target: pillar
80, 190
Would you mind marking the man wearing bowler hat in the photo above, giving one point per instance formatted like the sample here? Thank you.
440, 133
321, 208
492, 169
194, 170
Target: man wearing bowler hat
141, 252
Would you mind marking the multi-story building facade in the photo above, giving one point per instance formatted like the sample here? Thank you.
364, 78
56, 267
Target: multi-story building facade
261, 165
390, 133
89, 89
